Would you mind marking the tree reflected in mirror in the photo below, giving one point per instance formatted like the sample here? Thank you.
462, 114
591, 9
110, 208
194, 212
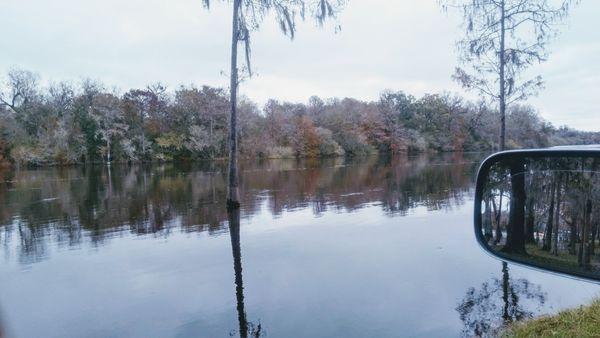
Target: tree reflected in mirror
544, 211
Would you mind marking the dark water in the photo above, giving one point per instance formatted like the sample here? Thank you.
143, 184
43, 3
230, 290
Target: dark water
373, 247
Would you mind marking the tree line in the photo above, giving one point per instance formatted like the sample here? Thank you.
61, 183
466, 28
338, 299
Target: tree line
63, 123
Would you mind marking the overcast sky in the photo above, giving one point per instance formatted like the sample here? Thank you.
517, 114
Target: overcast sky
384, 44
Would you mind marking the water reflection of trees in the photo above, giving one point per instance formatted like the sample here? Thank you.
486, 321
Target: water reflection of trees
497, 303
91, 204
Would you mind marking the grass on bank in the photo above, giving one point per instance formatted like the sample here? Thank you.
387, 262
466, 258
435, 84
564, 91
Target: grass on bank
581, 322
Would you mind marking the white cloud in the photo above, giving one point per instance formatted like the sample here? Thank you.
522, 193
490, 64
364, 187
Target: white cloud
401, 45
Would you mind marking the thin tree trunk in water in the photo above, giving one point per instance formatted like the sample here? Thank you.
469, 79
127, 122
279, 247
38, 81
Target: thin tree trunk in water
549, 223
505, 287
554, 250
234, 233
233, 200
502, 79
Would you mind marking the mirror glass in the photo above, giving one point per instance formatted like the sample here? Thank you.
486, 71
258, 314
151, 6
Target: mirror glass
543, 211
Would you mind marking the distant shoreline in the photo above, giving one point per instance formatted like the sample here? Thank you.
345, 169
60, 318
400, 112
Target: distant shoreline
223, 160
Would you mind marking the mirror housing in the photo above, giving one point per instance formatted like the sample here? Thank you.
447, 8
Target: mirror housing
541, 208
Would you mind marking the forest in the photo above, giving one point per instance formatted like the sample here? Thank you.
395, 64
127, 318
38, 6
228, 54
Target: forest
65, 123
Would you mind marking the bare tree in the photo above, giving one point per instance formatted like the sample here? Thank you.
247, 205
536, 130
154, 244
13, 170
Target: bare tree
247, 17
22, 87
502, 39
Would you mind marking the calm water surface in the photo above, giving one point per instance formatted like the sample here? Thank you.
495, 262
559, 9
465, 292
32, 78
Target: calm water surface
372, 247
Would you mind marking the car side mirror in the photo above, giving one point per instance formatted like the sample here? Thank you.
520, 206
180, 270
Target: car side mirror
541, 208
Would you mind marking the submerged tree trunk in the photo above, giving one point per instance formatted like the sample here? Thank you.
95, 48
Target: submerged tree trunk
233, 200
515, 231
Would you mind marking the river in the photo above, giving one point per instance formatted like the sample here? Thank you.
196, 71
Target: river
366, 247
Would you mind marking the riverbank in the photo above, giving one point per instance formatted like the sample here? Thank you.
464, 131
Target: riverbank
580, 322
223, 160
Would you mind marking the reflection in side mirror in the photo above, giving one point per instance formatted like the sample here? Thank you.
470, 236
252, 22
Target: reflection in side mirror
541, 208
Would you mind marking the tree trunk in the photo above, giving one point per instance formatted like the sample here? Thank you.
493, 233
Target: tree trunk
498, 218
581, 238
233, 199
515, 231
212, 147
585, 238
530, 221
143, 138
555, 225
588, 225
573, 236
108, 151
549, 223
487, 221
594, 230
502, 78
